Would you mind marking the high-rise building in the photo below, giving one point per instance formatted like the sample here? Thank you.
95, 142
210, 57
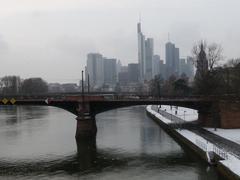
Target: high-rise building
172, 59
156, 65
186, 68
95, 69
145, 55
163, 70
119, 65
133, 73
141, 53
110, 71
182, 66
149, 59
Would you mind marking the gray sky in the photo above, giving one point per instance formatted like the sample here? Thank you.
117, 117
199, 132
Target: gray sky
50, 38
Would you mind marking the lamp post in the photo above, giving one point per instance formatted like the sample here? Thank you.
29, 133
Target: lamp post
88, 84
82, 91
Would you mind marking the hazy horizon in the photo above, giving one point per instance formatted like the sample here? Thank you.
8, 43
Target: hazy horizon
51, 38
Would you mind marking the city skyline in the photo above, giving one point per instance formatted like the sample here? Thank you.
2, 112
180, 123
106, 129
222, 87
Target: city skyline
35, 37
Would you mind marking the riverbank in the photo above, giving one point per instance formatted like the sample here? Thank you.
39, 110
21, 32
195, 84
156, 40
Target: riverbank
201, 141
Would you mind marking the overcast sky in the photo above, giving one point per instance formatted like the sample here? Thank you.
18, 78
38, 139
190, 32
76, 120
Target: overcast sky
51, 38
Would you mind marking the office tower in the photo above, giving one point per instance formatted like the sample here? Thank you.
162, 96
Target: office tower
156, 65
186, 67
176, 62
172, 59
133, 73
163, 70
110, 71
182, 66
119, 65
149, 59
145, 56
95, 69
141, 53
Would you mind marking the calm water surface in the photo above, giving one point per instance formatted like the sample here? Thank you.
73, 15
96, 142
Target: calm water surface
38, 143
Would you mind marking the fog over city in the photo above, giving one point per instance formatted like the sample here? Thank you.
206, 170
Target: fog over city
51, 38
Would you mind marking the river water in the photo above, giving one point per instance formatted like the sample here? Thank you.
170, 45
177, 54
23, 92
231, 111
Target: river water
38, 143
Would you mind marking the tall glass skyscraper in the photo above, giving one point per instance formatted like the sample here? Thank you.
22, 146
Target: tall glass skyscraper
172, 59
145, 55
141, 53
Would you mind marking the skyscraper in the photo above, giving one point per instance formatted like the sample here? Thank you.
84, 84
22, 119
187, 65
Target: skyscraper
156, 65
172, 59
145, 55
110, 71
149, 59
133, 73
95, 69
141, 53
186, 68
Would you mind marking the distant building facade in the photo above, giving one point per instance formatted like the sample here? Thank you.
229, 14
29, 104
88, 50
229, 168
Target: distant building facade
172, 59
149, 59
110, 71
145, 55
141, 52
156, 65
133, 72
186, 67
95, 69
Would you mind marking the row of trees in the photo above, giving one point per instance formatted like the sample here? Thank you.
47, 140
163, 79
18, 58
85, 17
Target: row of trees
11, 85
212, 76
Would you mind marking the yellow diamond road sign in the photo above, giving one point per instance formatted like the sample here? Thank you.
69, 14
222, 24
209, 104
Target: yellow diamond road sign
13, 101
4, 101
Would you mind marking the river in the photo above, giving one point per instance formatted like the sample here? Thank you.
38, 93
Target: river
38, 143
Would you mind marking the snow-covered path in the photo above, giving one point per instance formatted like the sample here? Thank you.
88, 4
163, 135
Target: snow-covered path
185, 114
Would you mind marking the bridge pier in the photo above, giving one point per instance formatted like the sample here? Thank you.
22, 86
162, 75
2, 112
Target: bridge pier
86, 128
87, 153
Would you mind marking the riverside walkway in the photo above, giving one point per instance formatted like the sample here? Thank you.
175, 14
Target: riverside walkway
223, 143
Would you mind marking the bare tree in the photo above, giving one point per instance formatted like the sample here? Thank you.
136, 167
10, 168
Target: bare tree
213, 53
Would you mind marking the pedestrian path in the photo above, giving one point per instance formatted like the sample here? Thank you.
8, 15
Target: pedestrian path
223, 143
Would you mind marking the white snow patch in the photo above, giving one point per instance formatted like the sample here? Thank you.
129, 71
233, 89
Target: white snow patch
233, 164
181, 112
157, 115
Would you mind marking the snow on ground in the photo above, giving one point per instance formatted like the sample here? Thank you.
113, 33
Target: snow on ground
157, 115
229, 160
230, 134
233, 164
181, 112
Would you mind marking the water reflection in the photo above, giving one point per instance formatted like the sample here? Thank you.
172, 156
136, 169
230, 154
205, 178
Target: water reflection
10, 115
